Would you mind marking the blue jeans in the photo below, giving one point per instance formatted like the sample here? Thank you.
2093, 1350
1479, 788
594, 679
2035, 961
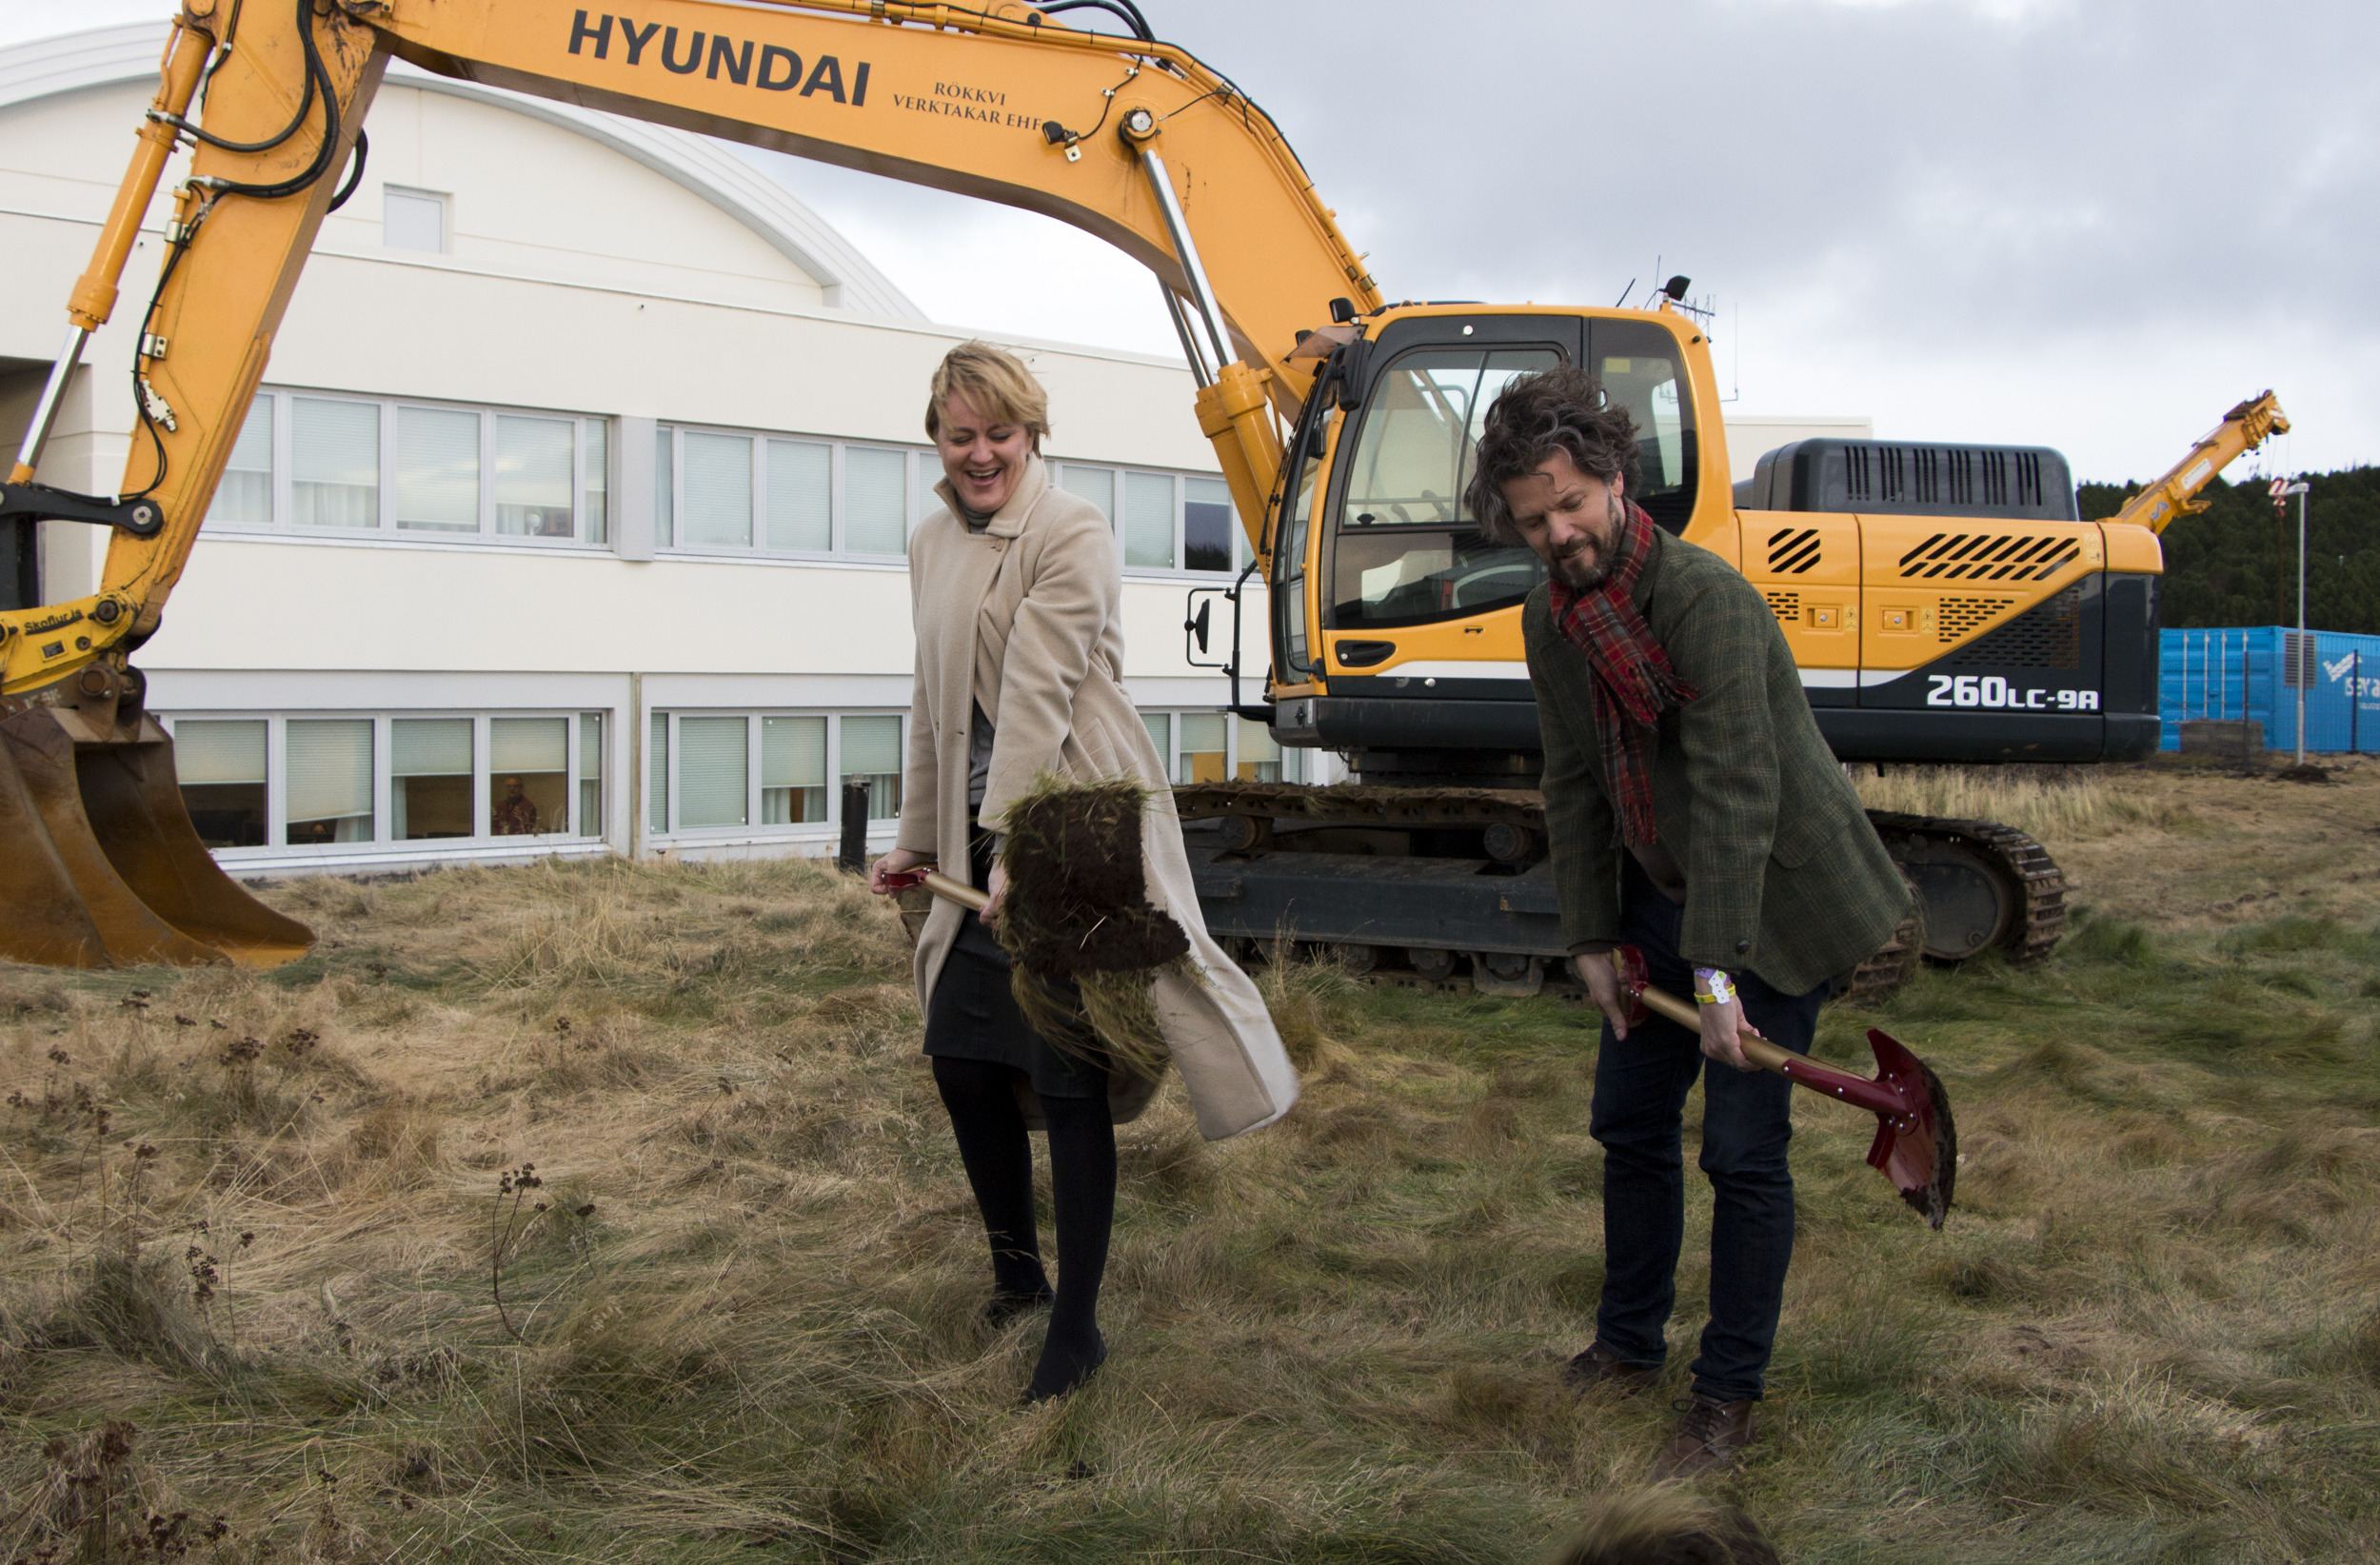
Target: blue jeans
1640, 1089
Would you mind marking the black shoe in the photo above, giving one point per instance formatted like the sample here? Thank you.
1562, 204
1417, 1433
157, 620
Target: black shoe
1064, 1367
1709, 1437
1002, 1311
1600, 1369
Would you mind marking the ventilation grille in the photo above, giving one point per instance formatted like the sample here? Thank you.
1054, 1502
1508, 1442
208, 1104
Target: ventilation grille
1989, 557
1962, 617
1930, 475
1792, 551
2048, 636
1785, 605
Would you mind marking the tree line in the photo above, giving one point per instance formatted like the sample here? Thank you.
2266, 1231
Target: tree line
2235, 562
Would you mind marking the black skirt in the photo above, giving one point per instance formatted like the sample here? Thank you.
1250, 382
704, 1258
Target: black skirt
975, 1016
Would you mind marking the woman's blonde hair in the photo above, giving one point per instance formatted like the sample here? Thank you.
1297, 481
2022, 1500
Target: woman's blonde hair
996, 380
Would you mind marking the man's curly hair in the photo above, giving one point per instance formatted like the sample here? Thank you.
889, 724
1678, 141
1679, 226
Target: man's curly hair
1563, 408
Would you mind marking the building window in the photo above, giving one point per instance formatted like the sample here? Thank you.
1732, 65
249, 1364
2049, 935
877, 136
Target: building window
1211, 746
1163, 520
703, 776
871, 754
437, 476
451, 472
529, 774
793, 770
334, 463
330, 780
268, 783
222, 770
533, 477
590, 774
429, 778
719, 490
412, 220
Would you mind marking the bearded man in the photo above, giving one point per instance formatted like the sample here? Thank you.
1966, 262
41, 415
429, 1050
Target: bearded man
1693, 811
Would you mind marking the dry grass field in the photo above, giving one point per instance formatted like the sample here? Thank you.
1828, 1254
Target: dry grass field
255, 1231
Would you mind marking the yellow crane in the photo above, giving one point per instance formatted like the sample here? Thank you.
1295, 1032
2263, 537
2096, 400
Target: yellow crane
1342, 423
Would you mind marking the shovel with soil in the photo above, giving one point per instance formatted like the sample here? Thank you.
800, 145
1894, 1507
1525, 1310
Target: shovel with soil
1916, 1141
1077, 920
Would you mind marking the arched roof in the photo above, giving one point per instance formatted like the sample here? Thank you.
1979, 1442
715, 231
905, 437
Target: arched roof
105, 56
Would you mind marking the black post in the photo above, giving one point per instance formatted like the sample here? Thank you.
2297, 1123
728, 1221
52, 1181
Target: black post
855, 798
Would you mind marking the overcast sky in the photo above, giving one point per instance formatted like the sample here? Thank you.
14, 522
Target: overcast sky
2088, 224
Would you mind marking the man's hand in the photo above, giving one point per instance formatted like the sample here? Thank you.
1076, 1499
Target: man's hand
1596, 972
1721, 1024
895, 862
997, 888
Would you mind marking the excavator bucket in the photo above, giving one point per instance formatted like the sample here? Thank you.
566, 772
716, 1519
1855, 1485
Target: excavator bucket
99, 863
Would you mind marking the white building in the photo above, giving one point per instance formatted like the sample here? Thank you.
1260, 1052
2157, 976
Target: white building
585, 458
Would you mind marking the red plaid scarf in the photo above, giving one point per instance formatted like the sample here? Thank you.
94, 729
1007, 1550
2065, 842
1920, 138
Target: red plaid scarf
1633, 682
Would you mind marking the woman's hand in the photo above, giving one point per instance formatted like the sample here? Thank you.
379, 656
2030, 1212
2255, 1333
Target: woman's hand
895, 862
997, 888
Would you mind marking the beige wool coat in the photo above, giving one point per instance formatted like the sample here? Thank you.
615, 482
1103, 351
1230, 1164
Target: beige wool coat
1023, 620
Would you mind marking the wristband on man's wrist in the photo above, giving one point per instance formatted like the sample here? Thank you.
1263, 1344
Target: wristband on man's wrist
1713, 987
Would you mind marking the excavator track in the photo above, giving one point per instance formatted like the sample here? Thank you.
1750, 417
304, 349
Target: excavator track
1448, 889
1982, 886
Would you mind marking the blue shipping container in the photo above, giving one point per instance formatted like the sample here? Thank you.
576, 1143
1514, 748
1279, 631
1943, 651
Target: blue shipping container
2236, 673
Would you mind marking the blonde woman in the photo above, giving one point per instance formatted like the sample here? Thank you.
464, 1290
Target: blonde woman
1014, 597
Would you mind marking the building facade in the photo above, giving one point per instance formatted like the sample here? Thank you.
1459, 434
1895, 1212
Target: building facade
571, 516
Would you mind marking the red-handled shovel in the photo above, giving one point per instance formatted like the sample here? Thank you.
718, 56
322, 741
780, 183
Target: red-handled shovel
1916, 1141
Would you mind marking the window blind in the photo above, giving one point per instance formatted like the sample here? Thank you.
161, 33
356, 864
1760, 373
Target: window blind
533, 476
793, 752
218, 752
1161, 727
597, 529
528, 745
429, 748
590, 746
800, 480
243, 496
718, 490
1257, 742
1096, 485
330, 768
875, 501
334, 463
712, 752
437, 477
1148, 521
870, 745
657, 769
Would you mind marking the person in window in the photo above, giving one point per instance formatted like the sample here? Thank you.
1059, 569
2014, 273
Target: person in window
1015, 600
515, 814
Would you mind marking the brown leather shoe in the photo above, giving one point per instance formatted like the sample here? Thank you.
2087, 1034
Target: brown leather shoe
1599, 1368
1708, 1436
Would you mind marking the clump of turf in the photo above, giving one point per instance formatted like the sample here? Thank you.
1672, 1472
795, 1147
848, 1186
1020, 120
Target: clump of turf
1078, 923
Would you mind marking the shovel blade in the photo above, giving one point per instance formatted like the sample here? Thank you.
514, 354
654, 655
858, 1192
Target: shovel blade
104, 868
1916, 1149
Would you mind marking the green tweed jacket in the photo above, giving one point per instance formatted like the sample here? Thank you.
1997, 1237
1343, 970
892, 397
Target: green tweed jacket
1784, 876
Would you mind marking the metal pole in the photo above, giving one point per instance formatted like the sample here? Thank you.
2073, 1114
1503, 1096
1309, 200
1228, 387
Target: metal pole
2356, 706
2302, 647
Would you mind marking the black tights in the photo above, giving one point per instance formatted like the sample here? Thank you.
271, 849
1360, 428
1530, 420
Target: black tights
999, 1159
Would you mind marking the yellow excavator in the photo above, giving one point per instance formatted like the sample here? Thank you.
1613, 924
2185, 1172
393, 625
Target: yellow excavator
1945, 601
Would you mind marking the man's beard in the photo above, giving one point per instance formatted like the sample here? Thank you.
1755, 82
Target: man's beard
1584, 577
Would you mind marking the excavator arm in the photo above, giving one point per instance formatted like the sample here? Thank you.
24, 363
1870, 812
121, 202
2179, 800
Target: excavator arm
1128, 138
2173, 496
